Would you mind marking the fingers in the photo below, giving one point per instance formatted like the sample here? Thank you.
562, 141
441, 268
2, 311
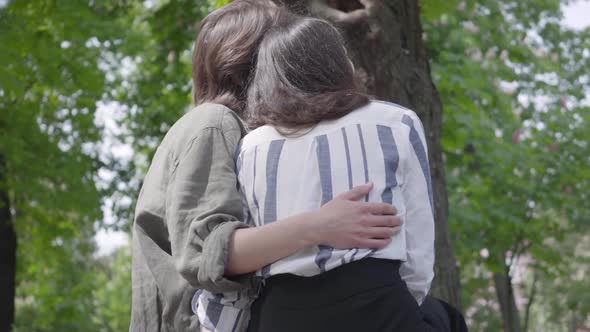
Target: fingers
379, 208
383, 221
379, 237
356, 193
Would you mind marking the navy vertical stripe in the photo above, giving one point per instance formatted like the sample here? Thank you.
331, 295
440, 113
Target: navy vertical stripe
325, 169
420, 151
347, 158
254, 199
270, 199
272, 167
325, 166
248, 217
391, 157
364, 151
214, 309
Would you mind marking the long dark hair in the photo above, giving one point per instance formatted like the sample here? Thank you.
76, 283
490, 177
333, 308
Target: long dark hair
225, 51
303, 76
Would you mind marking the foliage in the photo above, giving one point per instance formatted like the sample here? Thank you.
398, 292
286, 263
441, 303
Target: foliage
510, 76
157, 89
78, 293
54, 292
564, 300
511, 79
113, 294
50, 82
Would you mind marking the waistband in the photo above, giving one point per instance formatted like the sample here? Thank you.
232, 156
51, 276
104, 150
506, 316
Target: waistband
344, 281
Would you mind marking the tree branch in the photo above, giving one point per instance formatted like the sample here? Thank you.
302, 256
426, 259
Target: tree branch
320, 8
518, 249
366, 15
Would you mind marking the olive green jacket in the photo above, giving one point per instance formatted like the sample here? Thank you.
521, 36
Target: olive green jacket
187, 209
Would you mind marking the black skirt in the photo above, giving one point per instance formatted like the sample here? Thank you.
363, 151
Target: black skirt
364, 296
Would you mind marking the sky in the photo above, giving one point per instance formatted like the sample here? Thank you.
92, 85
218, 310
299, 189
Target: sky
576, 16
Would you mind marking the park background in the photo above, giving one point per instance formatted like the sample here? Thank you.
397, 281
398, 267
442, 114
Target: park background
89, 88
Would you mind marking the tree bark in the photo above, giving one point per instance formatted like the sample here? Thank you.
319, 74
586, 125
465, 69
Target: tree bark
508, 308
385, 43
7, 259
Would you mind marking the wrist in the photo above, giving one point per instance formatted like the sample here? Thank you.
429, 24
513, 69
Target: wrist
310, 235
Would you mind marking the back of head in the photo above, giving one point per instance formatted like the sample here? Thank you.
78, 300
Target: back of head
303, 76
225, 51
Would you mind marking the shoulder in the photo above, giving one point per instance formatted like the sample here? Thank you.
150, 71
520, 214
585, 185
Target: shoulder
375, 112
203, 121
393, 115
391, 111
210, 116
400, 117
260, 135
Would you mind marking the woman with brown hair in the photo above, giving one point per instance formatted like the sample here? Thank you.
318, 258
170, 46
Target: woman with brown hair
319, 136
189, 231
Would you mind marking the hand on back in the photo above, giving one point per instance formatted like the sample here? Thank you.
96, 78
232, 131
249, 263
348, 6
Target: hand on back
346, 222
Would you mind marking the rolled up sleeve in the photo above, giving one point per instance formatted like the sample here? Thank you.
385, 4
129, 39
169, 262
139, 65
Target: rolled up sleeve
227, 312
203, 209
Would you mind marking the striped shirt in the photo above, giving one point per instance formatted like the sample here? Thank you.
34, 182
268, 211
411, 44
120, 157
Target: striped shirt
282, 176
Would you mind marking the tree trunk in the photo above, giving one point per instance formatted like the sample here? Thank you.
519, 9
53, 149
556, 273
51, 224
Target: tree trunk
385, 43
7, 259
508, 307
